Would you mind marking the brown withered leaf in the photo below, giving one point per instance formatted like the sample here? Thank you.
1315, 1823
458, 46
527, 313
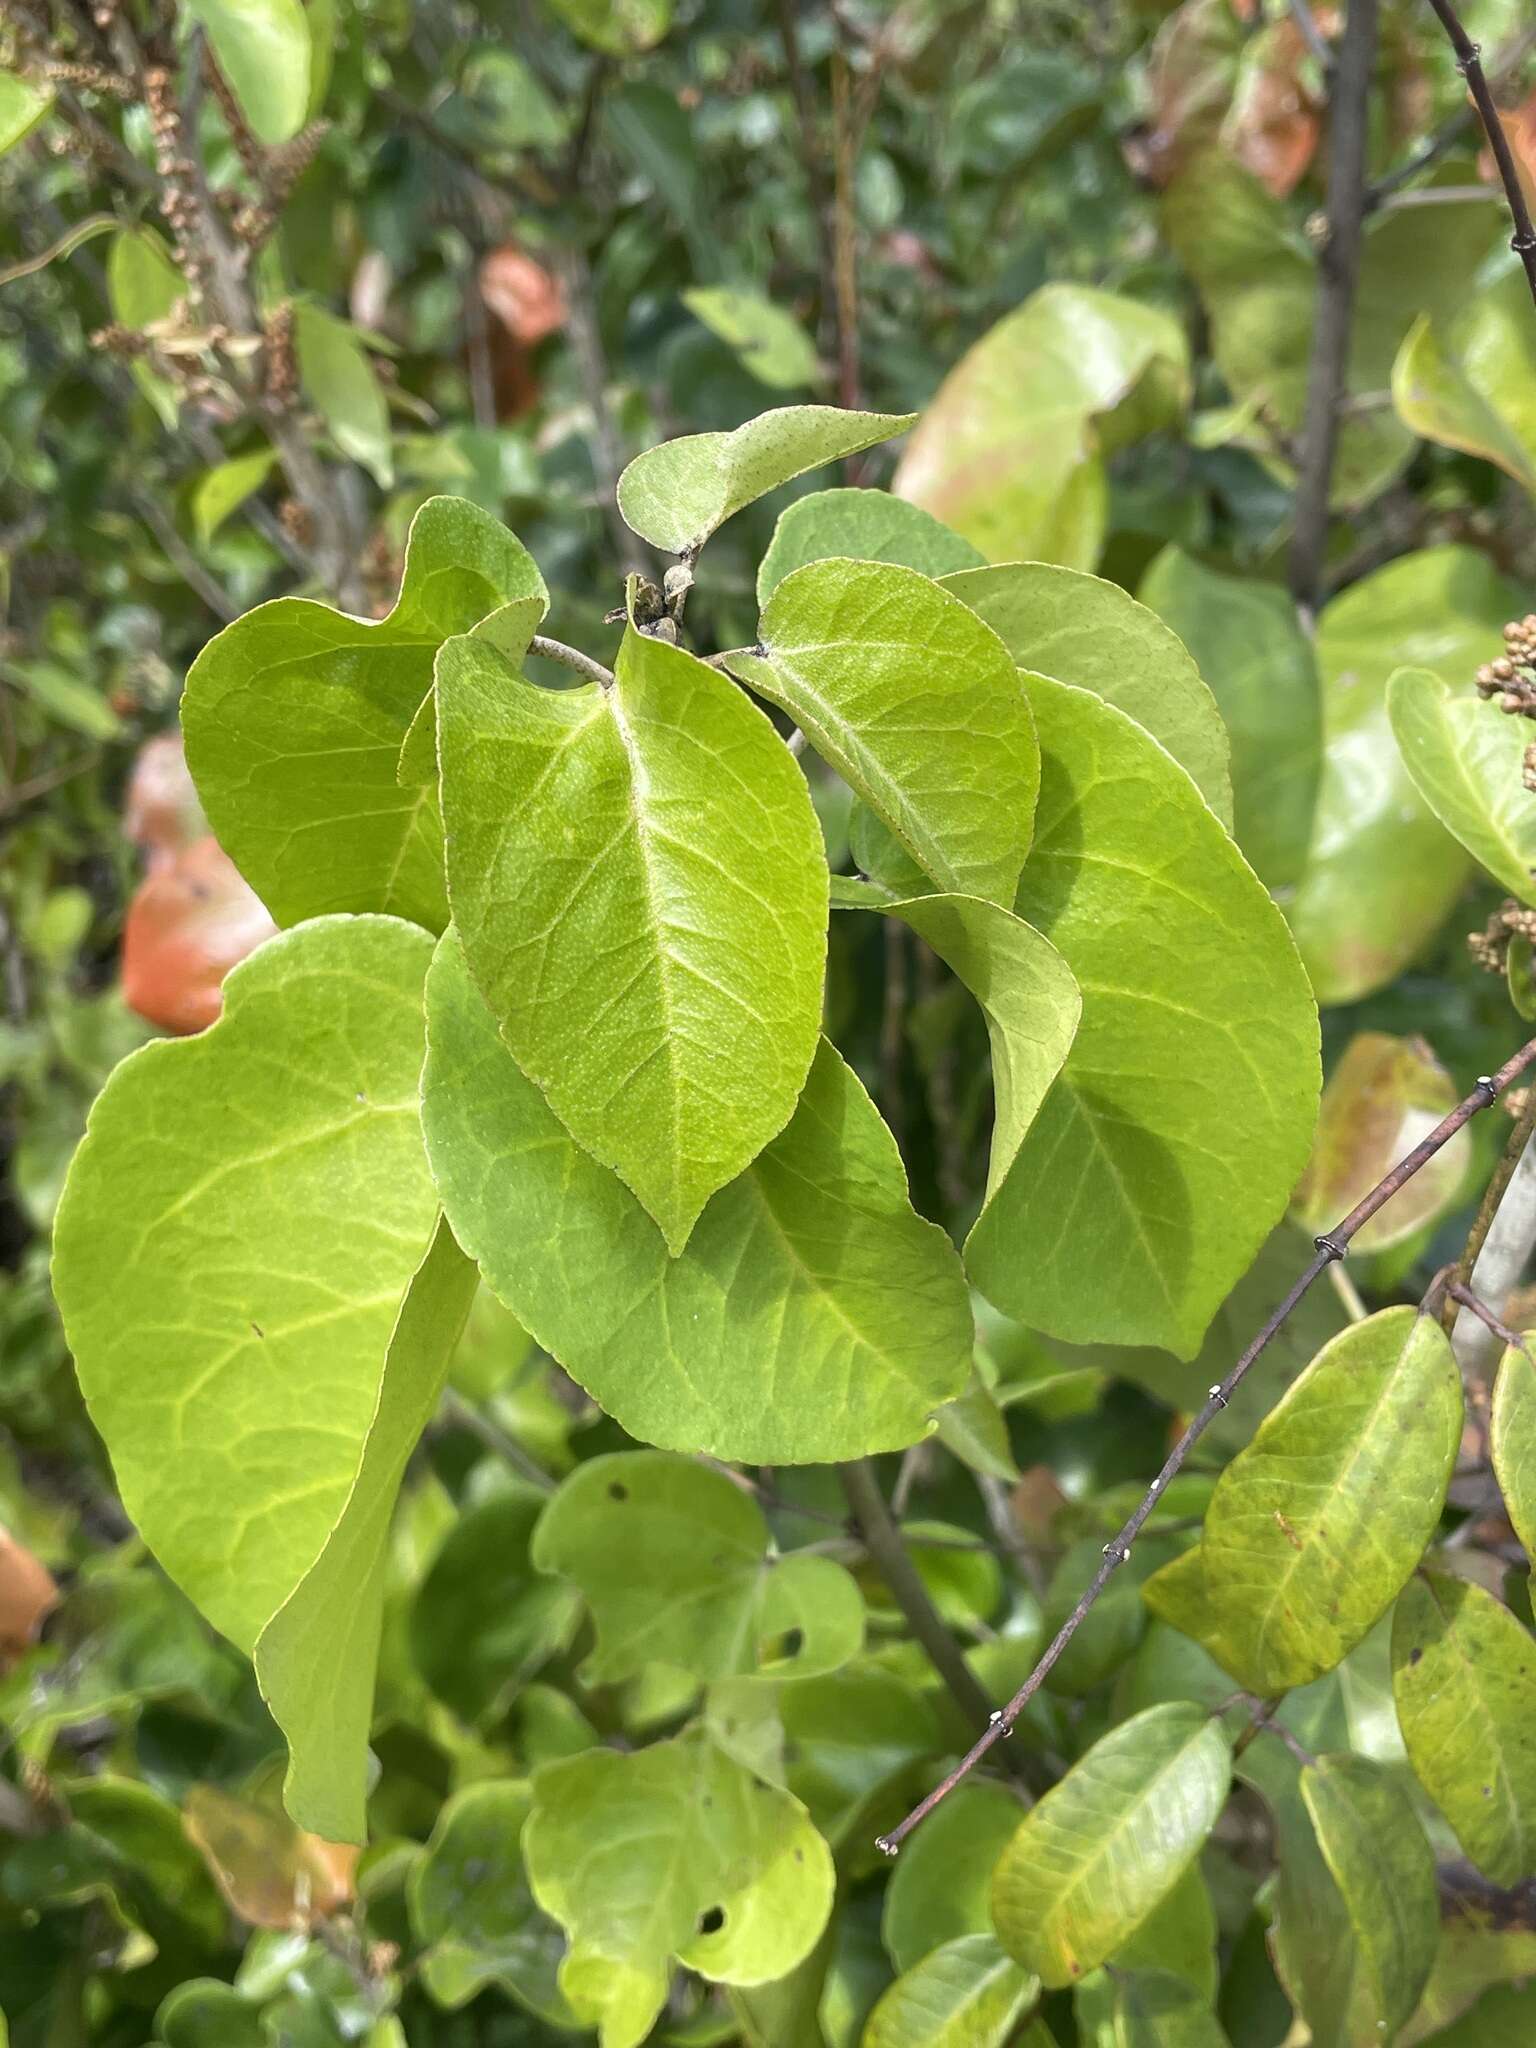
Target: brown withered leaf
1519, 125
1381, 1098
525, 297
1273, 124
191, 919
28, 1595
161, 813
272, 1873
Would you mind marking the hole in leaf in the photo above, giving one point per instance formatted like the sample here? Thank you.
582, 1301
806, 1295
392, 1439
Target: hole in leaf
618, 1492
712, 1921
1415, 1654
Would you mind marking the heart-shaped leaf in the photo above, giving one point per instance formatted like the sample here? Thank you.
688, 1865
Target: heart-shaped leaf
296, 714
812, 1316
606, 862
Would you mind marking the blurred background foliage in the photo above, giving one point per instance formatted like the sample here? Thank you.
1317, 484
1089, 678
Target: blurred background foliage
270, 276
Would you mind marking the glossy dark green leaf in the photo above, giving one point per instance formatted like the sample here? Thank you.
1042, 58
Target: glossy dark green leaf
672, 1559
1315, 1527
1464, 1679
916, 703
1104, 1847
644, 856
1082, 630
1168, 1146
1259, 664
295, 716
1376, 1850
813, 1315
863, 526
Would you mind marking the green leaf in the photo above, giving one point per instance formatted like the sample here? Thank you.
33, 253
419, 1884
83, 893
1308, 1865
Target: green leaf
673, 1560
771, 344
263, 49
315, 1659
940, 1889
1464, 1680
812, 1317
852, 1740
916, 703
1382, 1096
1146, 2009
1465, 377
1031, 1005
143, 289
670, 1852
1314, 1529
295, 717
338, 376
644, 856
1384, 1868
1520, 976
676, 495
1011, 451
1466, 758
473, 1911
619, 28
65, 697
1512, 1441
967, 1994
240, 1225
1082, 630
22, 106
1382, 874
1249, 643
862, 526
484, 1619
225, 488
1104, 1847
1167, 1148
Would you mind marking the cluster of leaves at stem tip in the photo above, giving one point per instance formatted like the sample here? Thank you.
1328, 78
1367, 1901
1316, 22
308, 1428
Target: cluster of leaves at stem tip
547, 1012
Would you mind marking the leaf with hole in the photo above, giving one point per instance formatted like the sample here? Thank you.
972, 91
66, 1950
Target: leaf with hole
671, 1854
918, 706
1314, 1529
860, 526
1248, 639
295, 717
813, 1315
965, 1994
1464, 1680
1466, 757
641, 856
675, 495
1106, 1845
1082, 630
673, 1561
1168, 1145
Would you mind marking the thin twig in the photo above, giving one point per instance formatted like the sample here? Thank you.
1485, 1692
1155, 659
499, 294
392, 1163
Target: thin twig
1312, 35
1485, 1315
1331, 1246
883, 1541
1450, 131
1470, 63
197, 579
1338, 269
572, 657
465, 1415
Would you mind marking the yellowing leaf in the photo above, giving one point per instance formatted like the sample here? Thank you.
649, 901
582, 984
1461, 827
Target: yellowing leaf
967, 1994
642, 856
1010, 451
1104, 1847
1384, 1094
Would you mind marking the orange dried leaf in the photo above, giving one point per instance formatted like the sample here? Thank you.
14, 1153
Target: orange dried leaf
28, 1594
525, 297
272, 1873
192, 918
161, 812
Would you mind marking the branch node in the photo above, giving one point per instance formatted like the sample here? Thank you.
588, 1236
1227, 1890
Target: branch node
1487, 1087
1330, 1247
1217, 1395
886, 1846
1118, 1553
